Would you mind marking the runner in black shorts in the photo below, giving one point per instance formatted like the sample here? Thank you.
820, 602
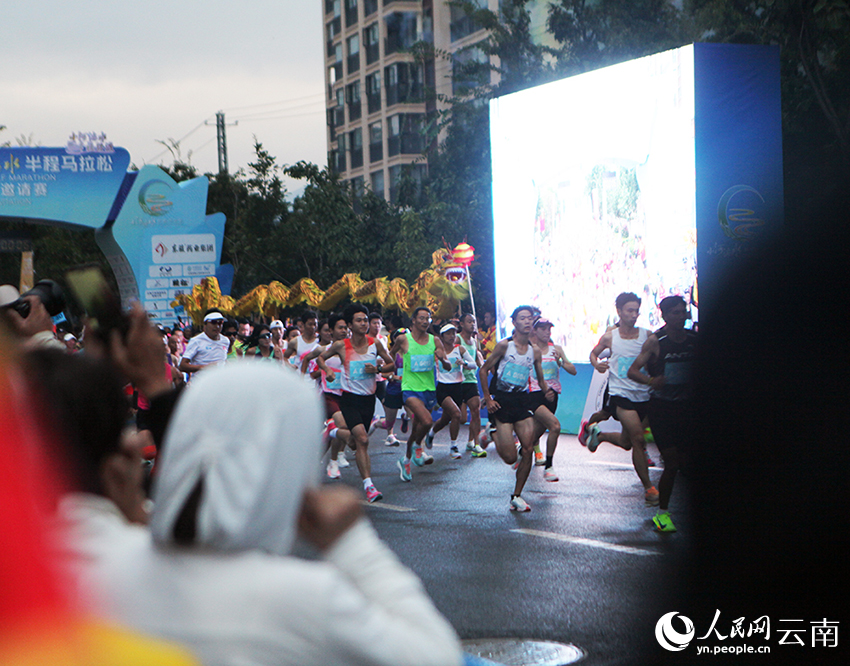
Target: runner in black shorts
450, 387
668, 356
512, 362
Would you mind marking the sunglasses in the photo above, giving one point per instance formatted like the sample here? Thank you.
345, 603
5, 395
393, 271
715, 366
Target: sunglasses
263, 336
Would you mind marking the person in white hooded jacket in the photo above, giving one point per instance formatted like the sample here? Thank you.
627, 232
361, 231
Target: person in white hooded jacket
236, 484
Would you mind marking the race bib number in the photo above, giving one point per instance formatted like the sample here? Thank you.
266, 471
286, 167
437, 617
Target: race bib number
550, 370
336, 384
357, 370
623, 365
516, 375
677, 373
421, 362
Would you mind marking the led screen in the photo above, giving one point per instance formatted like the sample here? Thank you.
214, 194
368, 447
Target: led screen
594, 195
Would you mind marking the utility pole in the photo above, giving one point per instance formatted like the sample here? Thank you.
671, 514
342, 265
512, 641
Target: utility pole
221, 141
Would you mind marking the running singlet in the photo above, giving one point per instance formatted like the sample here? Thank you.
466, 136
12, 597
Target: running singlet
335, 387
623, 354
514, 369
418, 372
459, 361
303, 348
355, 379
551, 372
470, 376
674, 362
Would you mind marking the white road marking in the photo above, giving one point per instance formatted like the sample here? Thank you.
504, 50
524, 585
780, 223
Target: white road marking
616, 464
587, 542
389, 507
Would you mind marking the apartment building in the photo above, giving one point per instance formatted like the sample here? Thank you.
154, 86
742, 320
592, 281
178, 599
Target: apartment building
376, 89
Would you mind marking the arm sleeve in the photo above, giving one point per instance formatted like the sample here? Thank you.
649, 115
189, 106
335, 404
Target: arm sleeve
399, 623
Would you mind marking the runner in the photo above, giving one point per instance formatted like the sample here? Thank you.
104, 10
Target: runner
629, 400
359, 355
301, 345
418, 349
470, 384
336, 434
393, 400
511, 362
668, 355
552, 360
450, 387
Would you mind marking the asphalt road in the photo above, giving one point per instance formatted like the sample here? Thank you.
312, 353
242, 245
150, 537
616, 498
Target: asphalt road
583, 567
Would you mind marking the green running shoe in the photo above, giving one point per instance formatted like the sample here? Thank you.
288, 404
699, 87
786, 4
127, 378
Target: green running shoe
663, 522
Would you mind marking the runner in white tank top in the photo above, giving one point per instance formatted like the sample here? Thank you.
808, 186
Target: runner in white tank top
629, 400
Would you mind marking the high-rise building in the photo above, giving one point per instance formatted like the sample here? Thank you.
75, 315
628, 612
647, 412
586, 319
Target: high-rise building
376, 88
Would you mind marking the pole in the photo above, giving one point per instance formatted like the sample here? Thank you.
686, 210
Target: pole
471, 297
221, 140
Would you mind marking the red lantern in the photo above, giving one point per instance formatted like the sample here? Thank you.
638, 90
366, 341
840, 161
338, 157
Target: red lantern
463, 254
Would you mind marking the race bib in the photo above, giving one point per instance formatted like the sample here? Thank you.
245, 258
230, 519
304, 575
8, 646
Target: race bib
550, 370
677, 373
357, 370
623, 365
336, 384
421, 362
516, 375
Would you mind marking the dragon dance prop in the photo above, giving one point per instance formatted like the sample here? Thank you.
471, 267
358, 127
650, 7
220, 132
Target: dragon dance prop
440, 288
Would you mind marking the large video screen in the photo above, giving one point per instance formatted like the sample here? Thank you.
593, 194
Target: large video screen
594, 195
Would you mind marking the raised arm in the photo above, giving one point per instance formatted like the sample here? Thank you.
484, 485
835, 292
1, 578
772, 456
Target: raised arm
603, 344
563, 361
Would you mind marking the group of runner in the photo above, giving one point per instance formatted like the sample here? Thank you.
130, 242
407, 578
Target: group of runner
416, 371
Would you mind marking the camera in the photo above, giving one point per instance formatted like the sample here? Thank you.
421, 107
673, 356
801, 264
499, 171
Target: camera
48, 292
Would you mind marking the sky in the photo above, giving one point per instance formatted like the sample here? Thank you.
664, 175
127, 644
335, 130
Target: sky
156, 71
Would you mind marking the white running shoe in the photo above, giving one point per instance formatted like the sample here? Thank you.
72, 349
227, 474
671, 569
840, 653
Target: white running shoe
341, 461
519, 504
454, 452
333, 470
392, 440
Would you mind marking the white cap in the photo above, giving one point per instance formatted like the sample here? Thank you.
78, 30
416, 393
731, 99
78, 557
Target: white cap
447, 328
277, 323
214, 316
8, 294
69, 336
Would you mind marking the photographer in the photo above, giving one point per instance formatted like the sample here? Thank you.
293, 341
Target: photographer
30, 315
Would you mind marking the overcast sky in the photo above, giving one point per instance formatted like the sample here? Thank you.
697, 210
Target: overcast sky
156, 70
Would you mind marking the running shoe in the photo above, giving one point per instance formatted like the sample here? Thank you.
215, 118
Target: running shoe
484, 438
333, 470
374, 425
404, 469
470, 446
373, 494
478, 452
583, 433
593, 441
651, 497
663, 522
342, 461
421, 458
404, 422
392, 440
519, 504
649, 460
326, 433
454, 453
549, 475
429, 440
539, 460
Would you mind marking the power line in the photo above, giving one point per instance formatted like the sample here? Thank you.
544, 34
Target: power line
282, 101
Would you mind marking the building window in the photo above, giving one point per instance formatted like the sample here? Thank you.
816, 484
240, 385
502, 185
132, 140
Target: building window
470, 69
377, 178
350, 12
373, 91
352, 96
400, 32
395, 181
336, 160
370, 7
371, 41
376, 142
331, 34
462, 24
355, 142
404, 83
353, 53
404, 135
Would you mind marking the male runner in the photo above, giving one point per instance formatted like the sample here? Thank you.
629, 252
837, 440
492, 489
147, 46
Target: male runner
359, 355
301, 345
668, 355
629, 400
512, 362
553, 359
471, 396
418, 349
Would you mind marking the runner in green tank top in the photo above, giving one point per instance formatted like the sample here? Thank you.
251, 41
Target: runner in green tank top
419, 349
